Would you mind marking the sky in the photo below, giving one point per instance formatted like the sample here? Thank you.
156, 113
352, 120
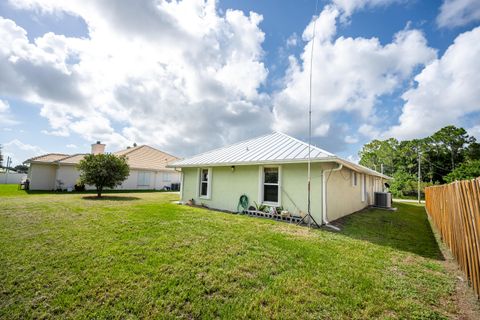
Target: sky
188, 76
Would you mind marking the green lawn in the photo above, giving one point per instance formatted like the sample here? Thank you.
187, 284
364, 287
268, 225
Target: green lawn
141, 256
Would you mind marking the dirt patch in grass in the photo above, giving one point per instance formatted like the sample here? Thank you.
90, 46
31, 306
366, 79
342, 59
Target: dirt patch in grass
464, 297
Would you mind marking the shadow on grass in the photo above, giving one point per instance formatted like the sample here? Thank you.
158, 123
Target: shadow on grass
110, 198
406, 229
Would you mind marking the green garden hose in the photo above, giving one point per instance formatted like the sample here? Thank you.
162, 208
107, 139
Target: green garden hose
242, 202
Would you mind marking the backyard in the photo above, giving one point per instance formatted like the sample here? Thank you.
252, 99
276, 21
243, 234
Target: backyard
139, 255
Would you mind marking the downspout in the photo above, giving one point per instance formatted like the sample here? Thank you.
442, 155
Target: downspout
324, 194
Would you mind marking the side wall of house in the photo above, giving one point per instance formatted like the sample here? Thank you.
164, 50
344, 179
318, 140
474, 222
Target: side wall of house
344, 198
227, 186
68, 175
157, 180
42, 176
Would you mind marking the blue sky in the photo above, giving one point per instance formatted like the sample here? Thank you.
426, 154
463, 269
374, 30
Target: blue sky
192, 75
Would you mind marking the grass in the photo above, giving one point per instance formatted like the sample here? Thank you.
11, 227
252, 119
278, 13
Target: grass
9, 190
66, 256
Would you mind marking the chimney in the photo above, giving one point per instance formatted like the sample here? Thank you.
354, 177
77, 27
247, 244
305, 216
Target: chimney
98, 148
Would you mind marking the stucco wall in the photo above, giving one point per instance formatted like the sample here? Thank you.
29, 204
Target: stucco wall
344, 198
157, 180
68, 175
42, 176
228, 186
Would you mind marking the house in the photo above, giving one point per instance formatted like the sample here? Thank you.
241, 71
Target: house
273, 170
147, 169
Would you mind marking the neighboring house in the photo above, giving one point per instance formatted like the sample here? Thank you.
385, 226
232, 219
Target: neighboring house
272, 169
147, 169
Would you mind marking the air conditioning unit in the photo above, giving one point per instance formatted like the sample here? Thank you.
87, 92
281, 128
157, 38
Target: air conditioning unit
383, 199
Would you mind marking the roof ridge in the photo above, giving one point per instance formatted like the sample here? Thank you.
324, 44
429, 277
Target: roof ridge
168, 154
70, 156
129, 150
46, 154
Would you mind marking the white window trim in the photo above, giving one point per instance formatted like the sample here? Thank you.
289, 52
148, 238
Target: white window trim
209, 184
364, 186
261, 178
144, 175
354, 183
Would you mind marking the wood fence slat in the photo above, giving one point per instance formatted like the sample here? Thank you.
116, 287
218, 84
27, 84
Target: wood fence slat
455, 211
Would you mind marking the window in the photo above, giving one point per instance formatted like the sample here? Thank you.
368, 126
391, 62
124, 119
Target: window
143, 178
166, 176
205, 179
271, 185
354, 179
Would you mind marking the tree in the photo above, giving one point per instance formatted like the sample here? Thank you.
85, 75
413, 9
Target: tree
452, 142
21, 168
377, 153
465, 171
1, 156
103, 171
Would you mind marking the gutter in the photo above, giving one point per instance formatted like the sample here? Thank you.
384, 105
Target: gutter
324, 195
340, 161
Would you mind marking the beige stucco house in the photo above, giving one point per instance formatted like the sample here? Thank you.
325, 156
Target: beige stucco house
272, 170
148, 169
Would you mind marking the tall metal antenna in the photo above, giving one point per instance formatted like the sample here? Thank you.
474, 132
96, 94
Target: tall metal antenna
309, 170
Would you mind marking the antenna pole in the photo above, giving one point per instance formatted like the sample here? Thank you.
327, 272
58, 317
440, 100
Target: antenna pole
309, 169
419, 175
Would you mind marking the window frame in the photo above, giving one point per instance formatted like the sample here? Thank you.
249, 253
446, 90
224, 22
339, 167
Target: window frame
354, 179
262, 184
145, 182
364, 187
208, 182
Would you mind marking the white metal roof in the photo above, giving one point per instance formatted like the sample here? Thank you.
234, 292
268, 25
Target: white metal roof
275, 147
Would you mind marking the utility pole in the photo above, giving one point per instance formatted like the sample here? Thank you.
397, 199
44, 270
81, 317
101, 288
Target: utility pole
9, 162
419, 174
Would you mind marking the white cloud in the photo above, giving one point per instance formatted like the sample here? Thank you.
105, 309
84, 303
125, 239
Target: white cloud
6, 118
172, 74
349, 6
349, 75
474, 131
19, 151
351, 139
72, 146
447, 89
353, 158
369, 131
292, 41
454, 13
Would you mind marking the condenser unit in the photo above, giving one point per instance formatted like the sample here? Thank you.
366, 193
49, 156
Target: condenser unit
383, 199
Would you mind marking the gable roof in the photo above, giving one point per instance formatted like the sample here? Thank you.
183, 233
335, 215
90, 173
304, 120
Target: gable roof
47, 158
141, 157
271, 148
146, 157
73, 159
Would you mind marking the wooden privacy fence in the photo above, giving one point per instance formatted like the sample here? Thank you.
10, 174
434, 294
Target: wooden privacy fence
455, 211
